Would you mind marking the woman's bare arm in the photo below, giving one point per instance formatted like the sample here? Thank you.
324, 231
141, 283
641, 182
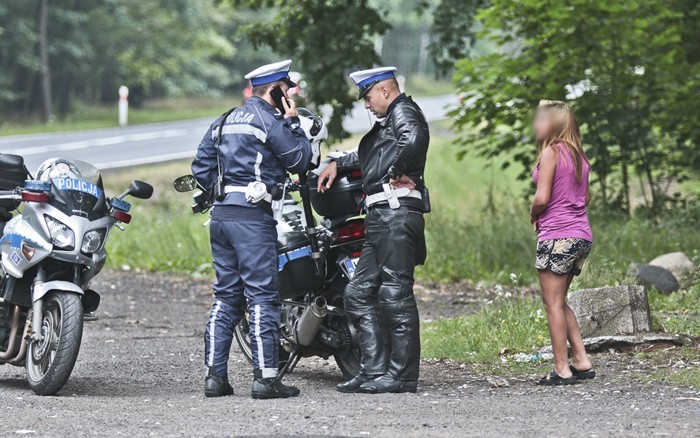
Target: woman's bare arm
548, 163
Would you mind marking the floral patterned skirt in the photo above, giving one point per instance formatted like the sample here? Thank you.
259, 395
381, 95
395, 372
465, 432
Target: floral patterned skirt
562, 256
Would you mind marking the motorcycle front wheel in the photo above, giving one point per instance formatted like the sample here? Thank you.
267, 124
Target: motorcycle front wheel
50, 361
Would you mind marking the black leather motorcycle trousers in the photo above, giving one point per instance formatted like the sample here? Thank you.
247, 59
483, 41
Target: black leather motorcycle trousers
379, 299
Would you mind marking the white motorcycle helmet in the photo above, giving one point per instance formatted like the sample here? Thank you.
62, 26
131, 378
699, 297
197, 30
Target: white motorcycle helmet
316, 131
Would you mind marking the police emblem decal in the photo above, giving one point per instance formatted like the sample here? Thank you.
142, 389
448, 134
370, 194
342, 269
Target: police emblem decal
15, 258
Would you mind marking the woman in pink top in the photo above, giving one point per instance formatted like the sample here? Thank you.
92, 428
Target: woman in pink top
564, 240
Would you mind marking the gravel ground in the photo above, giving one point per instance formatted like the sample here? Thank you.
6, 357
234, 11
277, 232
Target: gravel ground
140, 373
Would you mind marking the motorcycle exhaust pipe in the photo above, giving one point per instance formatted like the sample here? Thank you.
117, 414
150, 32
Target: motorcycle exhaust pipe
309, 323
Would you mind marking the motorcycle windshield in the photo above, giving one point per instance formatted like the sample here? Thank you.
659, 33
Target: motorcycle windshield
76, 187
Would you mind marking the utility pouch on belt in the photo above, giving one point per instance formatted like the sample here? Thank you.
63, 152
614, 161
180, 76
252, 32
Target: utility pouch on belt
391, 196
256, 192
220, 188
426, 199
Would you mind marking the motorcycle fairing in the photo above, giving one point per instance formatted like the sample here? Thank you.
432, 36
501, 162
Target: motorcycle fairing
41, 289
35, 214
292, 255
76, 187
18, 232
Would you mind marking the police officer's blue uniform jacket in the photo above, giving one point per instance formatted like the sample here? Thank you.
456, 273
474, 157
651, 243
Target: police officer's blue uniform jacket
258, 144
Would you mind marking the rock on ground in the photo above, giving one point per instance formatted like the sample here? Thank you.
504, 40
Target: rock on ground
140, 373
678, 263
611, 310
654, 277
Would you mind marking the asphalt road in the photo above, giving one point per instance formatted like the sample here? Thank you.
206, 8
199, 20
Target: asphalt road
152, 143
140, 373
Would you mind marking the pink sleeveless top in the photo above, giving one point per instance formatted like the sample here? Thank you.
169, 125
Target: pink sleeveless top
566, 214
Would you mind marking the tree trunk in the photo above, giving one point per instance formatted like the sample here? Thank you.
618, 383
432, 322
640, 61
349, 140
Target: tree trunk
655, 196
423, 54
626, 204
46, 104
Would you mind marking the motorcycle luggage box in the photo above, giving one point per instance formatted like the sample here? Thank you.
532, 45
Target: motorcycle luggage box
296, 269
12, 175
342, 199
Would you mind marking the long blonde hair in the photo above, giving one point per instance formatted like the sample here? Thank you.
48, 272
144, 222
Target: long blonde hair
565, 131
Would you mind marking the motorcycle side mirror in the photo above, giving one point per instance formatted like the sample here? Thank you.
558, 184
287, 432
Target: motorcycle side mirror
185, 183
140, 189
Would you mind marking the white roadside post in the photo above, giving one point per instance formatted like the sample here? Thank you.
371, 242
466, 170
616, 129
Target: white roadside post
123, 105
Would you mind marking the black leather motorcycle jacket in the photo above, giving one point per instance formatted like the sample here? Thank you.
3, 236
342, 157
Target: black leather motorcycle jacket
395, 146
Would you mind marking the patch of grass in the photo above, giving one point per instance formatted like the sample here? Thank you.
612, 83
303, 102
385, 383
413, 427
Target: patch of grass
519, 325
684, 377
164, 234
513, 326
678, 312
683, 372
93, 117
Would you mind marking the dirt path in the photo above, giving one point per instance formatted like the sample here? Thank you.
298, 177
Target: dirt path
140, 373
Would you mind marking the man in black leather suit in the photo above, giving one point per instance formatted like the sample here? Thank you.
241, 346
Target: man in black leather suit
379, 298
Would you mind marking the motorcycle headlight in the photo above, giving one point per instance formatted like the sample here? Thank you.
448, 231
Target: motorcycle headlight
92, 241
61, 236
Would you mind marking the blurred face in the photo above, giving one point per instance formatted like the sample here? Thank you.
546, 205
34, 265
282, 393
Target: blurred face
377, 100
542, 124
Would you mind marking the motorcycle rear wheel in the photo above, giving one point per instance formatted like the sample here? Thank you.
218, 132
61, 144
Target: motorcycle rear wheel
50, 362
242, 334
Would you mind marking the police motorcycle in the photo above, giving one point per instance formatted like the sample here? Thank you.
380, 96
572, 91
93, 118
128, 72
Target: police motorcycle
50, 253
316, 260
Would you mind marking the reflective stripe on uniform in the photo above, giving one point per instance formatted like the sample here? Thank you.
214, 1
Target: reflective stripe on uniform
242, 128
258, 161
212, 330
258, 339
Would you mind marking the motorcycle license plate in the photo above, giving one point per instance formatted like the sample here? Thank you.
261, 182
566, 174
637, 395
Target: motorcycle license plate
349, 266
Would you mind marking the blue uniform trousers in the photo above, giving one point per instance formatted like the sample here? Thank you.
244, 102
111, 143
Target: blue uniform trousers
245, 259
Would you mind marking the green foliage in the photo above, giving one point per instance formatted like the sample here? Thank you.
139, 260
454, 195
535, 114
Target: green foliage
163, 235
513, 325
180, 244
171, 45
454, 31
627, 69
406, 44
327, 39
156, 47
479, 229
679, 312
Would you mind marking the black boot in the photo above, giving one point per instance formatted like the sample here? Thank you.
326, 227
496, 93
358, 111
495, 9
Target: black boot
353, 385
386, 384
272, 387
217, 386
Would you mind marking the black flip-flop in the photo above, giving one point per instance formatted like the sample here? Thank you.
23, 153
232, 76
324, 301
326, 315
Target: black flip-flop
554, 379
582, 375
